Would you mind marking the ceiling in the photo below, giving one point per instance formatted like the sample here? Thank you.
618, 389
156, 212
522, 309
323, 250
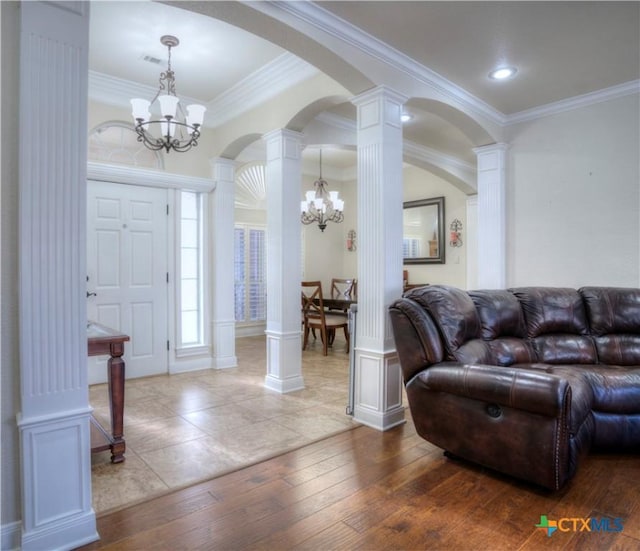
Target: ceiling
561, 50
212, 56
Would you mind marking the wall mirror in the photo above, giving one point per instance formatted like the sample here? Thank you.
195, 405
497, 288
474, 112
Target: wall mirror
423, 231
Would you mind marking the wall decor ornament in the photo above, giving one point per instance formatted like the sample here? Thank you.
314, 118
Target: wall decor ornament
455, 239
351, 241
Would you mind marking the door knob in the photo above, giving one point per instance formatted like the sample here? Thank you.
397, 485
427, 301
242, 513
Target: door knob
91, 294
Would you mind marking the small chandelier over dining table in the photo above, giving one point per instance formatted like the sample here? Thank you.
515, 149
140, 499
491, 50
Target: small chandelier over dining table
321, 205
178, 131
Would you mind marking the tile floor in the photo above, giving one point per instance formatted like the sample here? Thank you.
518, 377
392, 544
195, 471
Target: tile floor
181, 429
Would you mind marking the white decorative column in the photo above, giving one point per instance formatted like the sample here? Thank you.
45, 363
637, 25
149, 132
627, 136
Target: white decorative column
471, 242
492, 262
55, 412
221, 214
378, 381
283, 175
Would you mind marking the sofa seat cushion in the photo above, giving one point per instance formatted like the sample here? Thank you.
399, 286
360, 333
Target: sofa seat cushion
605, 388
616, 389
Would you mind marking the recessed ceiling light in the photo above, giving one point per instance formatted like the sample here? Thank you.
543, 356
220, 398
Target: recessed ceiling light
406, 117
503, 73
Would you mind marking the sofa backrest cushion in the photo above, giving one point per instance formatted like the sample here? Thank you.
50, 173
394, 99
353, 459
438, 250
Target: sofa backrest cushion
500, 314
614, 316
452, 311
556, 322
502, 326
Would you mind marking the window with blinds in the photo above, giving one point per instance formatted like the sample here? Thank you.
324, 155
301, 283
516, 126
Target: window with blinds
191, 256
250, 265
410, 247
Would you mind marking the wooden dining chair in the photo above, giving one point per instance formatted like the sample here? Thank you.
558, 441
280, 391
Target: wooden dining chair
344, 288
315, 317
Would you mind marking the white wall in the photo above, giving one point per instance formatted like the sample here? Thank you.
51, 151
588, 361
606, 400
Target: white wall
420, 184
573, 197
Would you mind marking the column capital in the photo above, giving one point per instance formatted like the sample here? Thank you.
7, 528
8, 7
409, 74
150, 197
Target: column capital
282, 133
379, 109
222, 169
379, 92
283, 144
491, 147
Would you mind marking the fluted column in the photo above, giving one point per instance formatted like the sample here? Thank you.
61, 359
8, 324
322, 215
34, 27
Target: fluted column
492, 262
223, 334
378, 382
283, 175
55, 412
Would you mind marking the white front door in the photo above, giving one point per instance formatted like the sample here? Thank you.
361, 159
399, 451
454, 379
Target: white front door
127, 270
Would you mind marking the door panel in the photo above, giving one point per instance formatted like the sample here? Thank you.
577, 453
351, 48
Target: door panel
126, 268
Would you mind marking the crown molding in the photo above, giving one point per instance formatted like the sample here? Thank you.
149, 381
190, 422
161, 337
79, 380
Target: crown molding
338, 28
435, 157
271, 79
263, 84
324, 21
118, 91
414, 150
568, 104
342, 123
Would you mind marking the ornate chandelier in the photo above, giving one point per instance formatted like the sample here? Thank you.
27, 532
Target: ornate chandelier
320, 205
178, 131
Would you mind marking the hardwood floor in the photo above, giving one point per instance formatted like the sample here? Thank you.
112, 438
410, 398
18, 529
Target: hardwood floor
368, 490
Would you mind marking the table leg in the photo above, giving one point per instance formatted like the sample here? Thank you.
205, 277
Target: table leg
116, 402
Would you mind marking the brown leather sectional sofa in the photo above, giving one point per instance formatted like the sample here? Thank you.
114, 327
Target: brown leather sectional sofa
524, 381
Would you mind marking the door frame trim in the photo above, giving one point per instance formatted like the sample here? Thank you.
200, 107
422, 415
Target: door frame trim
102, 172
144, 177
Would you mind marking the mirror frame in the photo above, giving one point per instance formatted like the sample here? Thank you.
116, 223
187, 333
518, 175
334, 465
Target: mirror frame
440, 258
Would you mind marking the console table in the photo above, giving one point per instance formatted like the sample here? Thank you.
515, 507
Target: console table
102, 340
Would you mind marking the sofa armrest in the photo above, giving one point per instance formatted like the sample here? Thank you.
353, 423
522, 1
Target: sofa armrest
532, 391
416, 337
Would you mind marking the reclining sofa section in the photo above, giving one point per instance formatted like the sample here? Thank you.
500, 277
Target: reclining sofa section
524, 381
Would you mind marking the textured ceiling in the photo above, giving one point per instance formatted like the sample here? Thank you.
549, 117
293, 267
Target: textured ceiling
561, 49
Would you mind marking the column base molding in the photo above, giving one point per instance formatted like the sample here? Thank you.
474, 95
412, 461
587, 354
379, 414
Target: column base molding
379, 421
56, 485
284, 385
69, 533
284, 361
378, 389
10, 538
